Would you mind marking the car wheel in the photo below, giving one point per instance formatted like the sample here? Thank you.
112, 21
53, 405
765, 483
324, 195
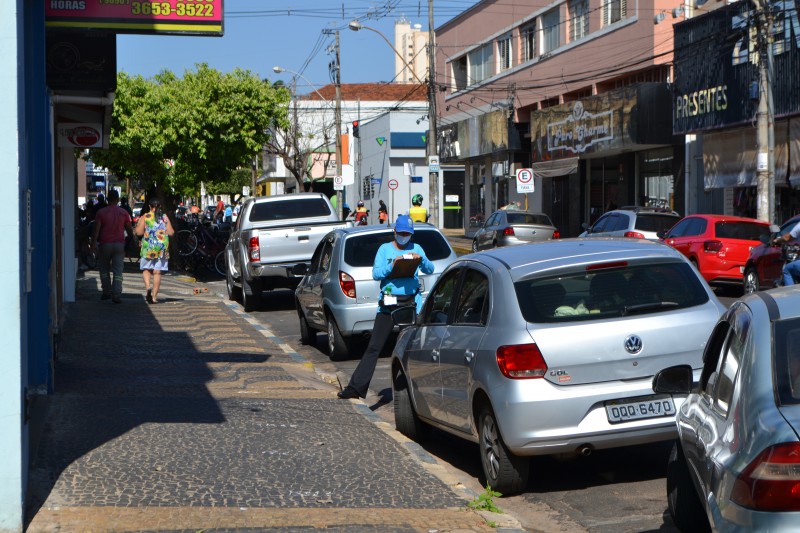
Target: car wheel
234, 292
337, 346
750, 281
405, 417
474, 245
251, 295
307, 335
683, 501
505, 473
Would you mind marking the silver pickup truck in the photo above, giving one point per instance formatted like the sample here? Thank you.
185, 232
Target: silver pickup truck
272, 242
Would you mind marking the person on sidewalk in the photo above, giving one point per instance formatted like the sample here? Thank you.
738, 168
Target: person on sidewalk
155, 229
383, 213
110, 226
395, 291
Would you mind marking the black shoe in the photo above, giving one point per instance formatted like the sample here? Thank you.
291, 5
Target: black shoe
116, 299
149, 297
105, 297
348, 393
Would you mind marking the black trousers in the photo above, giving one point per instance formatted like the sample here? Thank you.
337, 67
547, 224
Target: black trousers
362, 375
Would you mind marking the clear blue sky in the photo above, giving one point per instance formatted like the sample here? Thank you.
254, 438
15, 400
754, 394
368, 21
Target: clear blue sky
260, 34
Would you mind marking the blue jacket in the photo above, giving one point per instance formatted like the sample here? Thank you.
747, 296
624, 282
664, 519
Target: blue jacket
383, 264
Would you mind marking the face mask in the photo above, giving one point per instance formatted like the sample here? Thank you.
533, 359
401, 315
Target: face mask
402, 240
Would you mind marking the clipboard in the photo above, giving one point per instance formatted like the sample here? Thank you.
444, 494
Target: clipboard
404, 268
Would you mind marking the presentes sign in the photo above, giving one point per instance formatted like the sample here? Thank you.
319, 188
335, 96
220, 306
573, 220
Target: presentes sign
71, 135
200, 17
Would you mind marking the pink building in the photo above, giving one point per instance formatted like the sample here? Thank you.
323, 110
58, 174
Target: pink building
577, 90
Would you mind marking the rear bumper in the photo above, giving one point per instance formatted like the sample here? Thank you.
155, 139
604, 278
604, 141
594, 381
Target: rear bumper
284, 271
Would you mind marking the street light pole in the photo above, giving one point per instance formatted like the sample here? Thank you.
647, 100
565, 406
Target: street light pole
765, 141
433, 177
338, 82
356, 26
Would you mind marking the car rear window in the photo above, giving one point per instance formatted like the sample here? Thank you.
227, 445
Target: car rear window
656, 223
625, 290
360, 250
787, 360
744, 231
289, 210
528, 218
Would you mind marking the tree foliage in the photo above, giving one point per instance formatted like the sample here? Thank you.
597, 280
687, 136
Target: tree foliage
178, 132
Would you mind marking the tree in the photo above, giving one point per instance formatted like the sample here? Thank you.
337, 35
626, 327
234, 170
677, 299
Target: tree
308, 135
204, 125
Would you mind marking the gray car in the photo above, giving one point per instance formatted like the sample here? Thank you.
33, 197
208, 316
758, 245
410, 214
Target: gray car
338, 295
551, 348
736, 463
636, 222
507, 228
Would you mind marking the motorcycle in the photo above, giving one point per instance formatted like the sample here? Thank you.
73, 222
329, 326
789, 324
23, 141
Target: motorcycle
790, 252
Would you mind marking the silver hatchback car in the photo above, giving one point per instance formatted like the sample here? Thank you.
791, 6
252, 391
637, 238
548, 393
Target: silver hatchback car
338, 294
736, 463
507, 228
551, 348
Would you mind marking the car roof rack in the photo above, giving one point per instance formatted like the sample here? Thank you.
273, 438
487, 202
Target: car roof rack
648, 209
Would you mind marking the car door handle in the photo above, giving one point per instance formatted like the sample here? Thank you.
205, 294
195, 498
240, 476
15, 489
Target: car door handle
468, 355
434, 355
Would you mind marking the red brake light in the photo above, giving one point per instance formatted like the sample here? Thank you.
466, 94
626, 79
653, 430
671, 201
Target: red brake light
606, 266
556, 234
712, 246
254, 250
772, 481
509, 231
633, 235
348, 284
523, 361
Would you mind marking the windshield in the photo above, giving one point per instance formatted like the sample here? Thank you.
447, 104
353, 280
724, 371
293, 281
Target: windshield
745, 231
528, 218
609, 293
289, 210
360, 250
655, 223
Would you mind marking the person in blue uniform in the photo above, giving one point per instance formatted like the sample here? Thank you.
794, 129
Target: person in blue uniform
395, 292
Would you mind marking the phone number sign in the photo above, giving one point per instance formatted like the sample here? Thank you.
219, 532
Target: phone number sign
199, 17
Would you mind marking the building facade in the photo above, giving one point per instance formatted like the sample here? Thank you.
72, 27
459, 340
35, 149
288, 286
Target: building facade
577, 91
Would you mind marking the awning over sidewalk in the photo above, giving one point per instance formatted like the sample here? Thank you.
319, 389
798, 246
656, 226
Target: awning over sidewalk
558, 167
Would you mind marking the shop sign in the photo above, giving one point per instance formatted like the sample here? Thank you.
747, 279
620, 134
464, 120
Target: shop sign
80, 135
181, 17
580, 130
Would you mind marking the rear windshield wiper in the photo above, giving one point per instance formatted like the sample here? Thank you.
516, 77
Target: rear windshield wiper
640, 308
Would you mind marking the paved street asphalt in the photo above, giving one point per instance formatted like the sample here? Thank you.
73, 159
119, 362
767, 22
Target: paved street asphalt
186, 416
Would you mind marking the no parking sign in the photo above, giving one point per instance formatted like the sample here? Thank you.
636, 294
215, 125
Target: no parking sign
524, 180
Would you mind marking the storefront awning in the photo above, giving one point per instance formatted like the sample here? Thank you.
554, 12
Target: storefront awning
558, 167
729, 157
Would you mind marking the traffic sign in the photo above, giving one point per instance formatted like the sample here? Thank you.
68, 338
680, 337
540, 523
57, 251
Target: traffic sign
338, 183
433, 163
525, 180
393, 184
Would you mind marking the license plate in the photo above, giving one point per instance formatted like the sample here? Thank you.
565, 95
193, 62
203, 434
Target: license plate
639, 408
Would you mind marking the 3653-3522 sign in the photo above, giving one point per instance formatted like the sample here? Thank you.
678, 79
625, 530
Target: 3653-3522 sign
200, 17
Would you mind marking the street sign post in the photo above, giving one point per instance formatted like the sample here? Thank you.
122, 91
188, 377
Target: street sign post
525, 181
393, 184
338, 183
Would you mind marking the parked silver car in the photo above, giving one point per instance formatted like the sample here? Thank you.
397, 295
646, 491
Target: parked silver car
507, 228
338, 294
636, 222
736, 463
551, 348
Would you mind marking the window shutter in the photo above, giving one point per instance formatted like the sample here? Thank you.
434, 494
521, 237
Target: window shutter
623, 9
606, 14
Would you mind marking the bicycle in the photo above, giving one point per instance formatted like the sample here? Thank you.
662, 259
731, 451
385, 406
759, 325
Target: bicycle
200, 246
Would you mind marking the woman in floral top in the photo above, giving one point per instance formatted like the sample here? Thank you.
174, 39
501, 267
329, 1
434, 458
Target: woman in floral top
155, 229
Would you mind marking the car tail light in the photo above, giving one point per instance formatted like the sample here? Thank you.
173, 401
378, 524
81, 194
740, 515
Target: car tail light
712, 246
508, 232
254, 250
772, 481
633, 235
556, 234
523, 361
348, 284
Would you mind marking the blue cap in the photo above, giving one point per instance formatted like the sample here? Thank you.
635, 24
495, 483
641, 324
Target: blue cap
404, 224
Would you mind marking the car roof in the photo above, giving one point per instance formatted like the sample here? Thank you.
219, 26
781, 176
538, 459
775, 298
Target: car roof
640, 209
727, 218
562, 253
382, 228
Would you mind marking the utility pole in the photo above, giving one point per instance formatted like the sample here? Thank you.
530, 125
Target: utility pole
433, 177
765, 132
338, 83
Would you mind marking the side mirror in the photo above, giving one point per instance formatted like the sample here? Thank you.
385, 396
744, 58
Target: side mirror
662, 234
405, 316
673, 380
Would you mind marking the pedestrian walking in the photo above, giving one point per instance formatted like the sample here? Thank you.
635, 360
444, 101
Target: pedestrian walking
108, 241
155, 229
383, 213
396, 291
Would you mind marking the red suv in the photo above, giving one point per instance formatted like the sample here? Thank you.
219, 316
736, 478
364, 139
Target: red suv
765, 263
718, 245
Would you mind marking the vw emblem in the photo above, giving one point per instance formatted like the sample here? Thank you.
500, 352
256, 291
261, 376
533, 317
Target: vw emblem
633, 344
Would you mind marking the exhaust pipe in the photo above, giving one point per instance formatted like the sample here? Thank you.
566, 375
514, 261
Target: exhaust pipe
585, 450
